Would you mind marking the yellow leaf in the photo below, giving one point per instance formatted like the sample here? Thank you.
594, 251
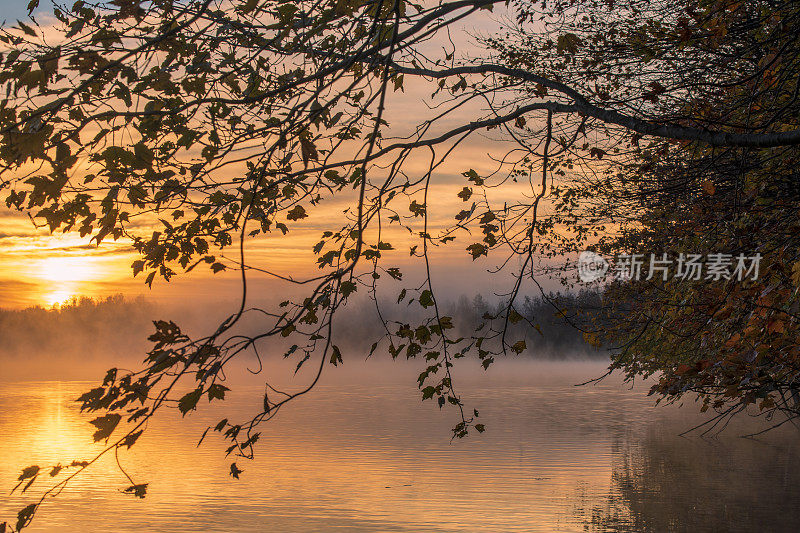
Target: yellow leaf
796, 274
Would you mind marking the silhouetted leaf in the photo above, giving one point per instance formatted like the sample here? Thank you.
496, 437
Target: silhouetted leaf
336, 356
139, 491
189, 401
477, 250
217, 391
296, 213
28, 472
105, 426
25, 516
426, 299
131, 439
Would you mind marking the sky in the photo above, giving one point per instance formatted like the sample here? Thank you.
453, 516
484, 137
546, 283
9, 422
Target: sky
37, 268
13, 10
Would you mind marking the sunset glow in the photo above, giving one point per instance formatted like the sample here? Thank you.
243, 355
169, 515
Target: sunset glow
357, 265
62, 278
68, 269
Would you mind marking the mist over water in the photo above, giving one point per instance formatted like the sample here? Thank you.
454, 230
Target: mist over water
362, 452
82, 338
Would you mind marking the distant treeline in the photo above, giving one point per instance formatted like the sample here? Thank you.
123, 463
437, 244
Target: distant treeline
551, 326
117, 327
82, 327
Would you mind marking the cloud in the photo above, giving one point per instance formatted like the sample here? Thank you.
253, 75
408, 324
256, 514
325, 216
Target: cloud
14, 293
4, 235
116, 249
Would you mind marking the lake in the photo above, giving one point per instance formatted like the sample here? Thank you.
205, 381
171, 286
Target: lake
362, 453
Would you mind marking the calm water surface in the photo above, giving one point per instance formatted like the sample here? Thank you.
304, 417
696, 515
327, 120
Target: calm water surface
366, 455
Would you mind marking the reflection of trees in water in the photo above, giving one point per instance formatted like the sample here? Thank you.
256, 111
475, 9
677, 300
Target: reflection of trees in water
665, 483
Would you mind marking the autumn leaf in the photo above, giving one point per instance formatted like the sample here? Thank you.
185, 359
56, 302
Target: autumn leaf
597, 152
27, 29
336, 356
426, 299
656, 89
568, 42
348, 288
296, 213
416, 208
105, 425
189, 401
477, 250
25, 516
28, 472
472, 176
796, 274
217, 391
139, 491
308, 150
131, 439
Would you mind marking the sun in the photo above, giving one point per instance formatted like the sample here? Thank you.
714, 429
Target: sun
62, 277
67, 269
57, 297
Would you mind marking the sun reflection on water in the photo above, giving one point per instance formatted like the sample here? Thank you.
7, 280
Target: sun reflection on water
370, 457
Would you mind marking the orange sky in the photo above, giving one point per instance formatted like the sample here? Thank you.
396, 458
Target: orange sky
37, 268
